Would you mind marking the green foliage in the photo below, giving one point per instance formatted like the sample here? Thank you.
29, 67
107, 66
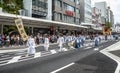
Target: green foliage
8, 29
12, 6
108, 24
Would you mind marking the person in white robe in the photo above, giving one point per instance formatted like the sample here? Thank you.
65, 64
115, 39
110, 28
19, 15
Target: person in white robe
46, 43
60, 42
31, 46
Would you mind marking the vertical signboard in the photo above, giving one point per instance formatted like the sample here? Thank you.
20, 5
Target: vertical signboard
21, 29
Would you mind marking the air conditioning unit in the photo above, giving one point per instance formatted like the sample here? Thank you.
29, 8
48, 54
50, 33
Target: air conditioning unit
23, 12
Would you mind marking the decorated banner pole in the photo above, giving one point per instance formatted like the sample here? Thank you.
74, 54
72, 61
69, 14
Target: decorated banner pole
21, 29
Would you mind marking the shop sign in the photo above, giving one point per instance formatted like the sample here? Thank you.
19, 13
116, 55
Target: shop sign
21, 29
70, 13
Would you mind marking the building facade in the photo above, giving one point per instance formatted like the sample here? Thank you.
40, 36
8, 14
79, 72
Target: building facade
67, 11
102, 6
85, 11
111, 18
57, 10
96, 16
36, 8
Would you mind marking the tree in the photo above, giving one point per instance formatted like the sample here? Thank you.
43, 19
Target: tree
12, 6
8, 29
108, 24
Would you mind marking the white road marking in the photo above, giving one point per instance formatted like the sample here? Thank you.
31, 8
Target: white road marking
87, 44
53, 51
15, 59
112, 56
55, 71
37, 55
64, 49
96, 49
87, 48
3, 61
115, 58
5, 58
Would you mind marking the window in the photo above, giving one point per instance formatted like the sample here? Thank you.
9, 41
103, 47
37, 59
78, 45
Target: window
65, 6
78, 11
58, 16
68, 7
77, 2
89, 13
88, 1
69, 19
39, 6
71, 8
58, 3
72, 0
77, 21
88, 6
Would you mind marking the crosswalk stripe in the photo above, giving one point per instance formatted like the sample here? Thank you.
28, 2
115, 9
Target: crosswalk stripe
53, 51
65, 49
14, 59
37, 55
95, 49
8, 58
87, 48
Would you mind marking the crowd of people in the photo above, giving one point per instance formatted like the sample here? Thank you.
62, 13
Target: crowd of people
69, 40
10, 40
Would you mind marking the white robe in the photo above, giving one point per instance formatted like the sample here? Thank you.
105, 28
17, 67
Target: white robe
60, 41
31, 46
46, 42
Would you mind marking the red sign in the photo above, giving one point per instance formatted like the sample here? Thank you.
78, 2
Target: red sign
70, 13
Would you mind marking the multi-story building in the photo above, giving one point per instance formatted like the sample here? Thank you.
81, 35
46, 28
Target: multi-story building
85, 11
108, 14
66, 11
57, 10
36, 8
102, 6
111, 17
96, 17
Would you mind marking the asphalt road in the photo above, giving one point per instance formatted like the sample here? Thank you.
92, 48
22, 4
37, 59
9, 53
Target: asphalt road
10, 55
86, 61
